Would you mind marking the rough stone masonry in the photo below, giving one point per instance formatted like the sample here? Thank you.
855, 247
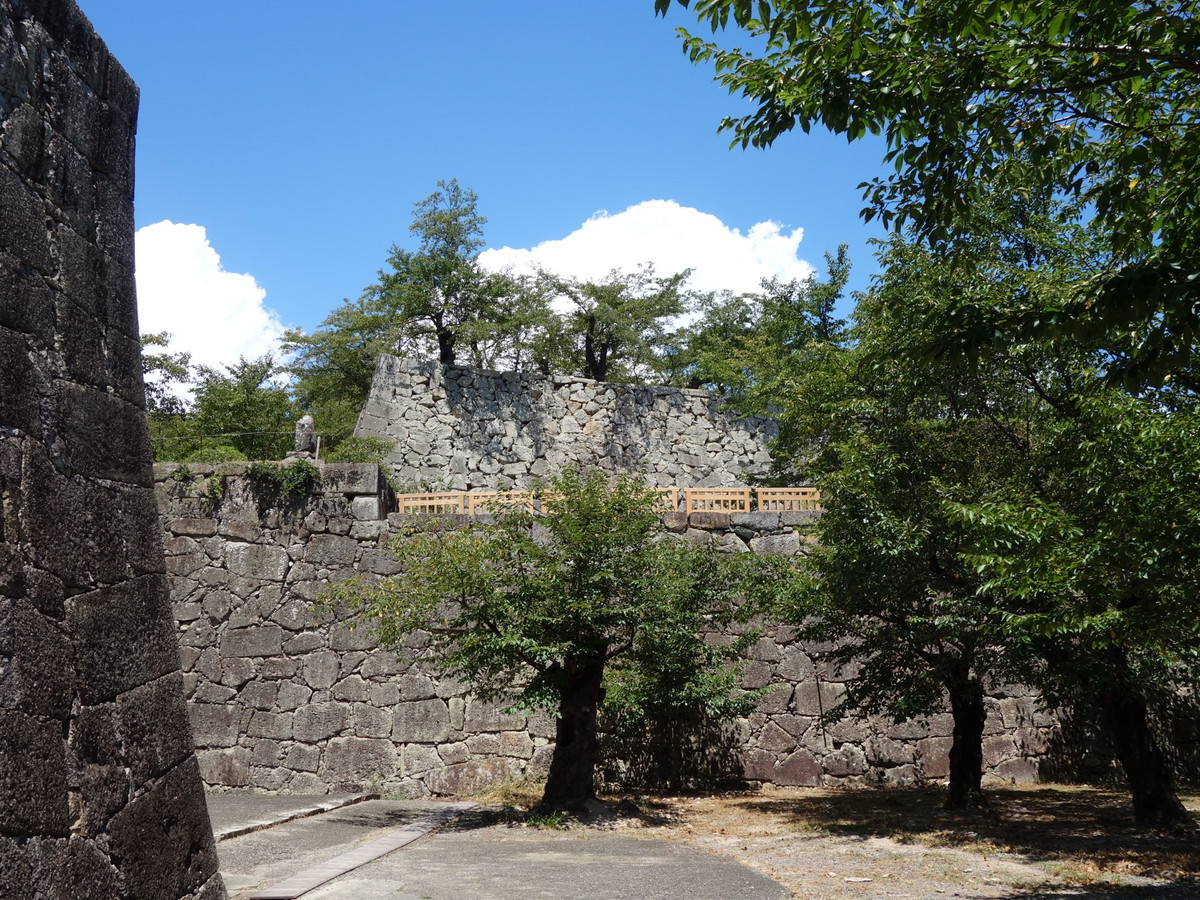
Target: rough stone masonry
456, 428
284, 695
100, 793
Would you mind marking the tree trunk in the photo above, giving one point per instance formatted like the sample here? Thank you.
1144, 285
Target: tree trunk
1155, 803
445, 339
966, 751
571, 781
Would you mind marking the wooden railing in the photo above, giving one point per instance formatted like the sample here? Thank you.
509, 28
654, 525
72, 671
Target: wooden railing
803, 499
716, 500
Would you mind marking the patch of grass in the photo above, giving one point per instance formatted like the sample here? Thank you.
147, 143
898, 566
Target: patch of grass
524, 793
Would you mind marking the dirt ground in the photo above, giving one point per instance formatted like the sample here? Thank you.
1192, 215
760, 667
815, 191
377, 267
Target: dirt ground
1043, 841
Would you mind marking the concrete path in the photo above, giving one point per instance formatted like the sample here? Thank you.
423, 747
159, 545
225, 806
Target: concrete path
467, 858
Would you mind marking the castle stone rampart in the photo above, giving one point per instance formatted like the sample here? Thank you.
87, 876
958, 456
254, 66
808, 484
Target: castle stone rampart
285, 696
100, 793
456, 428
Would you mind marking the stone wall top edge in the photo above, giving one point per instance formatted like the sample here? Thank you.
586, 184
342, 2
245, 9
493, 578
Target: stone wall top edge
71, 29
410, 364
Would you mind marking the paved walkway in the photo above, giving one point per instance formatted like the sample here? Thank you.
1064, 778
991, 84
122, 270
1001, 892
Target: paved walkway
463, 858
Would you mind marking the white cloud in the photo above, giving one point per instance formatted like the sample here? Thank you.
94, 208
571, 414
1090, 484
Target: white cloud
673, 238
213, 314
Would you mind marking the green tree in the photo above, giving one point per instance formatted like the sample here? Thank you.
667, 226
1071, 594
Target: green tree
161, 372
1094, 103
547, 612
1098, 549
886, 583
620, 324
243, 408
438, 293
333, 367
1000, 514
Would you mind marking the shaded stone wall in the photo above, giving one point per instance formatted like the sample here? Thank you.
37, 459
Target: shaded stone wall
100, 794
284, 696
455, 428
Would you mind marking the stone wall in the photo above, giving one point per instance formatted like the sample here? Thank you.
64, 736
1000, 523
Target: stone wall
100, 794
455, 428
285, 697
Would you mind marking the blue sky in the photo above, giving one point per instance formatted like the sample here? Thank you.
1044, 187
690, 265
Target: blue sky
295, 137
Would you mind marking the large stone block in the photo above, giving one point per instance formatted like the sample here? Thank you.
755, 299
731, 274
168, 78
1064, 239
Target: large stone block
470, 777
35, 676
23, 223
320, 670
320, 721
330, 550
350, 478
801, 769
105, 437
215, 725
776, 544
20, 384
123, 637
489, 715
359, 759
261, 561
70, 867
163, 839
33, 776
258, 640
421, 722
152, 724
228, 768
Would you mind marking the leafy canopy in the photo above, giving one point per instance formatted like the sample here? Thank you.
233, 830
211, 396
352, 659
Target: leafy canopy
513, 605
1094, 103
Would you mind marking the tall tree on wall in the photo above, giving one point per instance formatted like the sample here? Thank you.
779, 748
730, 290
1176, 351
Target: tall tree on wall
438, 292
618, 325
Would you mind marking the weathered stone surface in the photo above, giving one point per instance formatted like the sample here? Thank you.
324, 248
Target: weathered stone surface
215, 725
421, 721
330, 550
799, 769
152, 726
359, 759
776, 544
848, 759
619, 427
484, 715
163, 838
433, 723
469, 777
320, 670
33, 776
258, 640
934, 756
228, 768
370, 721
319, 721
122, 637
260, 561
302, 758
350, 478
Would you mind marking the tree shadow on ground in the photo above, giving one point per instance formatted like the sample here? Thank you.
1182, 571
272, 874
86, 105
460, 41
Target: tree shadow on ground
1085, 833
1184, 889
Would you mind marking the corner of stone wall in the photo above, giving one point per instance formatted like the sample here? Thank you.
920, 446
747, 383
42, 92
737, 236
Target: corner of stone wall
100, 792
